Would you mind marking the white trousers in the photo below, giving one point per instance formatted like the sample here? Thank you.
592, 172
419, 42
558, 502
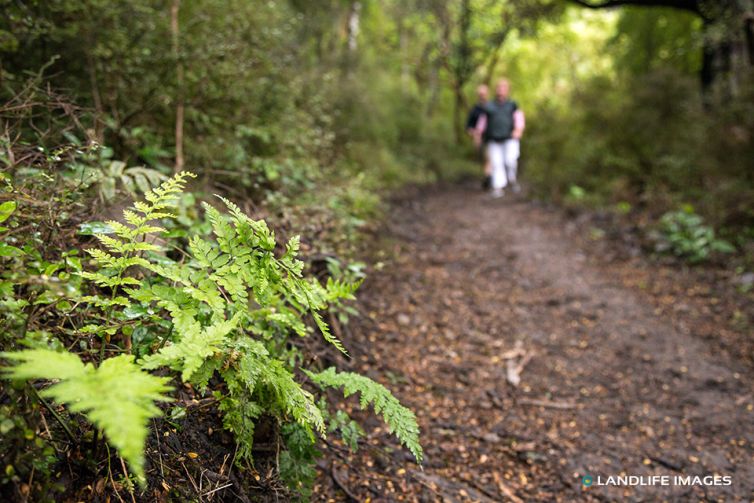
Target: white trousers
503, 156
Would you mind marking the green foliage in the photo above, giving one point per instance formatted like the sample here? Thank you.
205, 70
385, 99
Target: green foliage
6, 210
684, 234
350, 431
110, 175
647, 39
297, 462
226, 311
399, 419
344, 276
117, 397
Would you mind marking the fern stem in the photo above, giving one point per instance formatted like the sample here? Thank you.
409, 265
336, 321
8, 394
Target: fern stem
102, 349
54, 413
165, 339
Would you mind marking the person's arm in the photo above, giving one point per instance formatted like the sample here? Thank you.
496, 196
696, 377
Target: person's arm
519, 124
481, 125
471, 121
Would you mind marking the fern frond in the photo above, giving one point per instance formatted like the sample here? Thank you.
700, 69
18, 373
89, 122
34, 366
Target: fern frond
117, 397
253, 232
223, 231
195, 345
399, 419
289, 260
263, 375
104, 259
233, 285
108, 281
162, 196
104, 302
294, 399
206, 291
145, 229
288, 319
202, 251
328, 336
173, 272
118, 246
337, 289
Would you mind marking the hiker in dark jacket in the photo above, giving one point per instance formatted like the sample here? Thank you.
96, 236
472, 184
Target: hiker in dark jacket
502, 126
475, 114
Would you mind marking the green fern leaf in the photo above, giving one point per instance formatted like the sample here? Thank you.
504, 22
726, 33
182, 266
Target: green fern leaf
195, 345
399, 419
117, 397
252, 232
120, 247
328, 336
263, 375
224, 232
341, 289
108, 281
104, 302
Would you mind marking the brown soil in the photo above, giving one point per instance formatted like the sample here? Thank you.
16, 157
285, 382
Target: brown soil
627, 368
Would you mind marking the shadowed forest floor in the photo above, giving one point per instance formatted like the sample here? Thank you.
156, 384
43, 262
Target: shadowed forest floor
625, 367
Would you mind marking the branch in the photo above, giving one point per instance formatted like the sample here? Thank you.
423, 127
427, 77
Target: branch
687, 5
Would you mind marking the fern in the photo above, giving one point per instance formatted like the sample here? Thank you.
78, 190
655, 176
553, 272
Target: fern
228, 309
195, 345
131, 238
399, 419
256, 373
117, 396
221, 279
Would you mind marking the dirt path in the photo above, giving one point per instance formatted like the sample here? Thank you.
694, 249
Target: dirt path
610, 385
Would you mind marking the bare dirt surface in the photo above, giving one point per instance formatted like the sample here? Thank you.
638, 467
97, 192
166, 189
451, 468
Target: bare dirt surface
624, 369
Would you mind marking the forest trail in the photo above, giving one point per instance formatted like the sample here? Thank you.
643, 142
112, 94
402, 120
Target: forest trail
609, 384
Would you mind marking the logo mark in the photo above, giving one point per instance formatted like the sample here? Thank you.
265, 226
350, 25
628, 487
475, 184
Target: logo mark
587, 480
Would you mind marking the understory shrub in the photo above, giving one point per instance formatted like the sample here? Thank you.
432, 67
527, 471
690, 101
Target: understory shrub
684, 234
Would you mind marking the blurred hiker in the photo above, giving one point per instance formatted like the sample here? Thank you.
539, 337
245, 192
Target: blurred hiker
475, 114
502, 124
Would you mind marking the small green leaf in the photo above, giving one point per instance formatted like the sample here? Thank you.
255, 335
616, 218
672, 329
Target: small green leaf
92, 228
6, 210
7, 250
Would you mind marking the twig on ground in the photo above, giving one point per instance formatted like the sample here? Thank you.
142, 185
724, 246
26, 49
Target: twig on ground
125, 474
191, 479
110, 475
547, 403
336, 477
508, 492
513, 370
217, 489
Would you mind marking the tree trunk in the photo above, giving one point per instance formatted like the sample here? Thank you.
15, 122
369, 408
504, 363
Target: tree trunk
180, 105
402, 47
459, 107
91, 69
354, 21
96, 97
462, 69
749, 36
